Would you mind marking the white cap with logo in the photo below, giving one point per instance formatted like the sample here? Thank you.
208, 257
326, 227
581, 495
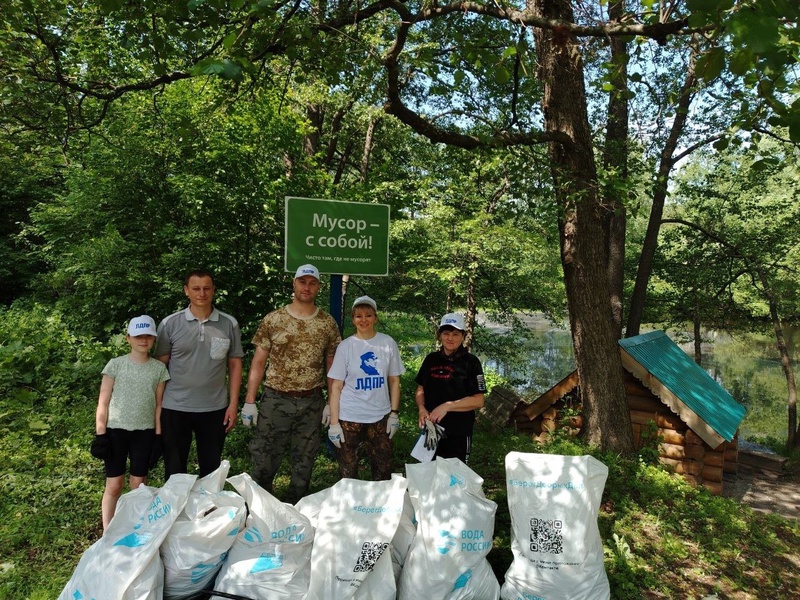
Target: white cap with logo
454, 320
143, 325
367, 301
303, 270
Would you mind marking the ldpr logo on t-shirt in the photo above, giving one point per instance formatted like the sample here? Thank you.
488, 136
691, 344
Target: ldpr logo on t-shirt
369, 362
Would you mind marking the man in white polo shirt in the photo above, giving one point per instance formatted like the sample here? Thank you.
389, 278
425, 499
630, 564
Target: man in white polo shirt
199, 345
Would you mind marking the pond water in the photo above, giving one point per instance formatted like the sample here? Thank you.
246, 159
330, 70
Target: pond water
747, 366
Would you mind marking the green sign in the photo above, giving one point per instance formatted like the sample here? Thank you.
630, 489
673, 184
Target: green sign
337, 237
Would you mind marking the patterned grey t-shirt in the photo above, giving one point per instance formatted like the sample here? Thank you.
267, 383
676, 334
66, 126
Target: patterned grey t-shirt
133, 398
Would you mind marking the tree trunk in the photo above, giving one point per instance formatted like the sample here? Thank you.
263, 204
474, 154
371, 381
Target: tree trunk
311, 141
472, 311
660, 189
584, 253
369, 141
792, 440
615, 160
698, 339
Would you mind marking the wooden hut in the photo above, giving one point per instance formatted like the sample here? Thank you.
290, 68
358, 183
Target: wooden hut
670, 396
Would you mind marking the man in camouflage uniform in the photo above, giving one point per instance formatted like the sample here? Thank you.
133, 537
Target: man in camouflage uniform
299, 342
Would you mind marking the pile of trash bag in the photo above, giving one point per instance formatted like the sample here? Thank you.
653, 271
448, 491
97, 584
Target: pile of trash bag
426, 535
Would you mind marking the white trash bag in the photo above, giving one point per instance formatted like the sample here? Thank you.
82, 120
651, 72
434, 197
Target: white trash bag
355, 523
149, 585
455, 530
403, 538
271, 558
554, 501
201, 537
124, 563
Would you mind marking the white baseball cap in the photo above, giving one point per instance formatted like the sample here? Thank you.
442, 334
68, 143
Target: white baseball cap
304, 270
143, 325
365, 300
454, 320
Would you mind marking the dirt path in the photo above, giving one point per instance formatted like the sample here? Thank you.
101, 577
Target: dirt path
766, 491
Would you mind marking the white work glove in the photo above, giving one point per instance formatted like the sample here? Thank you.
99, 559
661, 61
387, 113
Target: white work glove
433, 433
326, 415
392, 424
336, 435
249, 414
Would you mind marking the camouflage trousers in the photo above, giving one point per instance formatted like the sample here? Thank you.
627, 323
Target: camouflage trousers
286, 425
377, 446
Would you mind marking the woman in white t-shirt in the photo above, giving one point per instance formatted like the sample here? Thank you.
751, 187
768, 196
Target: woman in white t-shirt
365, 395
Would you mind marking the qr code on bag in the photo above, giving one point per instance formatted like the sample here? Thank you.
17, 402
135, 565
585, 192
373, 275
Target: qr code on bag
370, 553
546, 536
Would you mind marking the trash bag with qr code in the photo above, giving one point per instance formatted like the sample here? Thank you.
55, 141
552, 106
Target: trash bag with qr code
355, 523
558, 553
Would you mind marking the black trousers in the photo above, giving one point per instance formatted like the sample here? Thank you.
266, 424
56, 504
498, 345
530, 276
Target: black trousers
455, 446
177, 429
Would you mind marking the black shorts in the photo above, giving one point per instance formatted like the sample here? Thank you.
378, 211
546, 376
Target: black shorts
136, 445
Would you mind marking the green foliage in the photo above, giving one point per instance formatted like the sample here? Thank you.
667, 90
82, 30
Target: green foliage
50, 379
43, 361
758, 43
476, 235
649, 452
29, 174
192, 185
753, 218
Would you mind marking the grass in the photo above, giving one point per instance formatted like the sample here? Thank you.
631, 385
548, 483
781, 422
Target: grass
662, 539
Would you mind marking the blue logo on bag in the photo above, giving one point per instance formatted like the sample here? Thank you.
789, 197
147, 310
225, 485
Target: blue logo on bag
446, 543
455, 481
253, 535
462, 580
267, 562
200, 571
235, 531
134, 540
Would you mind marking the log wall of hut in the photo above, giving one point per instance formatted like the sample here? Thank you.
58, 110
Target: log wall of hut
680, 448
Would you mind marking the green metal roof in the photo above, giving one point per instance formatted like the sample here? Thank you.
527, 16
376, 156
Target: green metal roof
687, 380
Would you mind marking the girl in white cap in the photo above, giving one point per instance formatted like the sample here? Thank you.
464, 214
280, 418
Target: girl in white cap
450, 389
127, 423
365, 395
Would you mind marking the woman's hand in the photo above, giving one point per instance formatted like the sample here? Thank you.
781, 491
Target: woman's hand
438, 413
424, 415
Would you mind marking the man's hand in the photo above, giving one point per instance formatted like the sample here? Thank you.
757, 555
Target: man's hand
392, 424
230, 418
336, 435
326, 415
249, 414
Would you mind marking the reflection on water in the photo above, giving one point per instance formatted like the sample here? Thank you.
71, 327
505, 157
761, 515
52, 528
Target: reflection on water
747, 366
545, 359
